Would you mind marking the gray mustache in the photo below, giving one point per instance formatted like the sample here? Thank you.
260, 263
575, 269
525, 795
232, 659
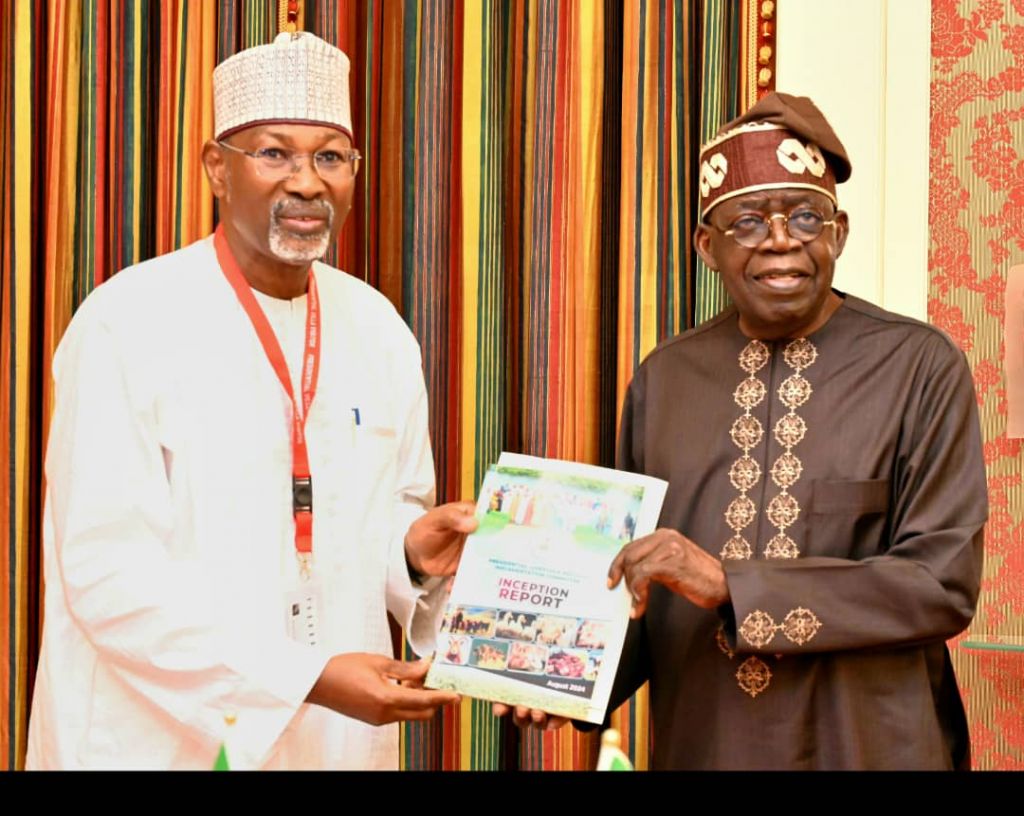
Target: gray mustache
318, 209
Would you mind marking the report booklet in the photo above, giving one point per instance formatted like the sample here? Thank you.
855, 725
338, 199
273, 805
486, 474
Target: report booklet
530, 620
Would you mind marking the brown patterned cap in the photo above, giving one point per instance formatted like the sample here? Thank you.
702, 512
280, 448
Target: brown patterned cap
297, 78
781, 142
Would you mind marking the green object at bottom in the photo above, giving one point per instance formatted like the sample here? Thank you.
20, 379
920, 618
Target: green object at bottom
222, 760
619, 764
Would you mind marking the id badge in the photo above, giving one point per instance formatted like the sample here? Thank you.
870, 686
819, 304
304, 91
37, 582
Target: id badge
302, 613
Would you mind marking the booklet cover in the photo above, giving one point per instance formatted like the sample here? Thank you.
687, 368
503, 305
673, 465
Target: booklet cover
531, 620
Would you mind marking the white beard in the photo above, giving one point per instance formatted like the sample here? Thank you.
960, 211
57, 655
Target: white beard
299, 249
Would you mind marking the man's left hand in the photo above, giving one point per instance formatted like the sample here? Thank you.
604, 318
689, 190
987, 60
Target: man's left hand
435, 540
668, 557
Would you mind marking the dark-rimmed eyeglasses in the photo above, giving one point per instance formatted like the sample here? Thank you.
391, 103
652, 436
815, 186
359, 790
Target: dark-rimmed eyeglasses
751, 229
278, 163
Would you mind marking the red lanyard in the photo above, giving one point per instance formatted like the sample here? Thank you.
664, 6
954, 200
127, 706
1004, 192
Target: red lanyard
302, 483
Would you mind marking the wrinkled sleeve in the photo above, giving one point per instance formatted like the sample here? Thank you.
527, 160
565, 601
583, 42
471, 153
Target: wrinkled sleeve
417, 609
923, 586
152, 619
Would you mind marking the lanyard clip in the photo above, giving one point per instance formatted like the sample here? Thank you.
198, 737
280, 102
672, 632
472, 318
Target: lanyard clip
302, 494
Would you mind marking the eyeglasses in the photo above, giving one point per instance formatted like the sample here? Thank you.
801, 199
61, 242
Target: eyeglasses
278, 164
750, 230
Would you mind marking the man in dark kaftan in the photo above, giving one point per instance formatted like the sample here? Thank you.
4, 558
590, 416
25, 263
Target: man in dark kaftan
822, 532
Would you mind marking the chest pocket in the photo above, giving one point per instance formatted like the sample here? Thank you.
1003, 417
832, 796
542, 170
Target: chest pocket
847, 519
353, 489
375, 450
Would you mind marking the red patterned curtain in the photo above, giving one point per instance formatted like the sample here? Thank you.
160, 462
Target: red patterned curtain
976, 202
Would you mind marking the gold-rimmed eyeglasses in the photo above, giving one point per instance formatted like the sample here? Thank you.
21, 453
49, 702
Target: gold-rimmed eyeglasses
750, 229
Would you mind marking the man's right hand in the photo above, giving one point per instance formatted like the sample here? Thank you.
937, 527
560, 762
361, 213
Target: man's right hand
363, 686
529, 717
669, 558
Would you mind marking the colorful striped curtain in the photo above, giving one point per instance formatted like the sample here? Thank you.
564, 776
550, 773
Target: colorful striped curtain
527, 203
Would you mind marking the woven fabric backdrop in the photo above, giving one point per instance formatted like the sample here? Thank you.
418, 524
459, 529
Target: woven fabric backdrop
977, 233
527, 203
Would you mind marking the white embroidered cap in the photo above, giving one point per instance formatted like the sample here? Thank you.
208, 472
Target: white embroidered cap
296, 78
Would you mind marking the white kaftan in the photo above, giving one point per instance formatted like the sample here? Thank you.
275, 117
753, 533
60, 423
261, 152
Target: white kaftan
168, 530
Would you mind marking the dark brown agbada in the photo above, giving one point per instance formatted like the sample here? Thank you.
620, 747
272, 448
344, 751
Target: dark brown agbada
831, 654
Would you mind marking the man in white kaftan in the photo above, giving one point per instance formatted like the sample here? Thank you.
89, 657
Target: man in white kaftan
169, 558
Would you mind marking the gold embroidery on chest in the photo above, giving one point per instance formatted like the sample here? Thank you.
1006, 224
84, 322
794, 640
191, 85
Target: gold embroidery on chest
795, 390
782, 511
746, 433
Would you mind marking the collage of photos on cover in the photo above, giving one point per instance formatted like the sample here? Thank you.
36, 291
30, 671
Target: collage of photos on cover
547, 650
